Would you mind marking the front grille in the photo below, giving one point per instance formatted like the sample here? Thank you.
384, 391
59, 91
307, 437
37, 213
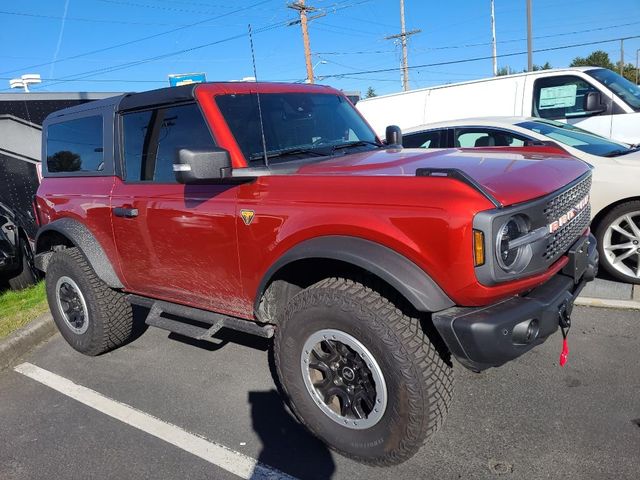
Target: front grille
561, 240
567, 199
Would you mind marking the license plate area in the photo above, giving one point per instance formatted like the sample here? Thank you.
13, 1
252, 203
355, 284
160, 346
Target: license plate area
578, 259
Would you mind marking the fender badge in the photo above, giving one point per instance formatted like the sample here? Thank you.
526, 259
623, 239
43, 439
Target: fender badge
247, 216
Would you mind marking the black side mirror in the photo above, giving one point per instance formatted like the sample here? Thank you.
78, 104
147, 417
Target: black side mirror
202, 165
393, 136
593, 102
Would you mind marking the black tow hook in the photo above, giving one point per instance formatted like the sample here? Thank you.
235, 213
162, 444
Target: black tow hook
564, 316
564, 320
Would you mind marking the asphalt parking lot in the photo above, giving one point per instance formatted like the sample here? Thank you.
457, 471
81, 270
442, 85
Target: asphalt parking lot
528, 419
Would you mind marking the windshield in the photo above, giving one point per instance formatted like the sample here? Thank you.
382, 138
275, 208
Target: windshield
296, 125
622, 87
576, 137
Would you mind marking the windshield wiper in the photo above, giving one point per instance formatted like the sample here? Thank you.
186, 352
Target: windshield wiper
285, 153
357, 143
619, 153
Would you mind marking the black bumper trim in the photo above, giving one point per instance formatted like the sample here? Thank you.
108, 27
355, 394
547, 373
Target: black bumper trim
490, 336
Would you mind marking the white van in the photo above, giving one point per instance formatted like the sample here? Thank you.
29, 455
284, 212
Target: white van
595, 99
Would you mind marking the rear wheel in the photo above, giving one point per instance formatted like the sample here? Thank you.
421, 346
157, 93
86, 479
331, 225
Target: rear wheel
359, 373
28, 274
92, 317
618, 236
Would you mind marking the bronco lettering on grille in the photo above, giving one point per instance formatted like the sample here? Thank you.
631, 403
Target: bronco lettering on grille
568, 216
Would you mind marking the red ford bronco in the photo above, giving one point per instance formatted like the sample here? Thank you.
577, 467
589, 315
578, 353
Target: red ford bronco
275, 210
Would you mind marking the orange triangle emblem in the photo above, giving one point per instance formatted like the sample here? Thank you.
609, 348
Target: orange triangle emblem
247, 216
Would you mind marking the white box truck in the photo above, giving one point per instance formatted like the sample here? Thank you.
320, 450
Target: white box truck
595, 99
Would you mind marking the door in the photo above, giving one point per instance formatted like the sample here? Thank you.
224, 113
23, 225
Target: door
175, 242
562, 98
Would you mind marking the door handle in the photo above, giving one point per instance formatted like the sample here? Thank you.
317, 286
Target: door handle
125, 212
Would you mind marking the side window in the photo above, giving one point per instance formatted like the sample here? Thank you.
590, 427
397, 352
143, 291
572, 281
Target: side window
423, 139
178, 127
152, 140
137, 130
75, 146
561, 97
488, 137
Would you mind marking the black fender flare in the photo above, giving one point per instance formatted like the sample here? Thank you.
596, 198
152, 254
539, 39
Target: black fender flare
398, 271
82, 238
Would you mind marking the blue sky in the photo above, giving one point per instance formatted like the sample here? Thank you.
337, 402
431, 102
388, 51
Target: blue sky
347, 40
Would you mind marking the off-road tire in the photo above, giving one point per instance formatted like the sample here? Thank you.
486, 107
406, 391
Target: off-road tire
110, 318
28, 275
603, 225
419, 381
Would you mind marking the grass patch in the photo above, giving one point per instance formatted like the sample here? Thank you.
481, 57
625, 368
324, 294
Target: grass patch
17, 308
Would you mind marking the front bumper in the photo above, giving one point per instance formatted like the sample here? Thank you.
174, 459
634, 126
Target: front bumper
490, 336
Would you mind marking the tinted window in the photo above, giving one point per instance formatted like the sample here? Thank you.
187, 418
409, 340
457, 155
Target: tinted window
577, 138
561, 97
152, 140
423, 139
136, 130
487, 137
75, 146
292, 121
622, 87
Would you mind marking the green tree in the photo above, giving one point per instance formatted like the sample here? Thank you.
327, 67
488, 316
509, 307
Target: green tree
595, 59
370, 93
507, 70
546, 66
629, 72
64, 161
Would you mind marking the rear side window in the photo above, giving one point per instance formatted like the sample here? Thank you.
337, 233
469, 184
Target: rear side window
152, 140
487, 137
75, 146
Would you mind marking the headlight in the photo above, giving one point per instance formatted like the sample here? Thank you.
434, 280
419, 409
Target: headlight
513, 257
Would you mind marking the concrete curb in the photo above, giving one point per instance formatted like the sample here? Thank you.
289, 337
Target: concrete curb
608, 303
24, 339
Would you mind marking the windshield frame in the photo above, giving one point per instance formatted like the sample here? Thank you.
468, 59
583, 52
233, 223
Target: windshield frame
628, 93
576, 133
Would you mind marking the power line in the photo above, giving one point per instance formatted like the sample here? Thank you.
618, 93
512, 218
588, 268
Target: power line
484, 44
475, 59
91, 73
90, 20
130, 42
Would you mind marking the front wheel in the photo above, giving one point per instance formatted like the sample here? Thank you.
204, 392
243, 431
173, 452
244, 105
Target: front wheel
361, 375
618, 236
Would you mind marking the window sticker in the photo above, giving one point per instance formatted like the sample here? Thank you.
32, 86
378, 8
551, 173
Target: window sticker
562, 96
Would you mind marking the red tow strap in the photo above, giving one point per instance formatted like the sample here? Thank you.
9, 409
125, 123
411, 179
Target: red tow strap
564, 354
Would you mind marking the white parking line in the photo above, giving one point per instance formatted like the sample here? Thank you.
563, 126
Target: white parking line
219, 455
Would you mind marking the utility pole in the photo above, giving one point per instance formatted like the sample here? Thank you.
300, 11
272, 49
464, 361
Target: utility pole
302, 10
529, 39
622, 56
403, 39
493, 39
637, 62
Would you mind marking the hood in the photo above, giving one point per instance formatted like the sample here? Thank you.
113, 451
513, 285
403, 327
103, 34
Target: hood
631, 159
510, 175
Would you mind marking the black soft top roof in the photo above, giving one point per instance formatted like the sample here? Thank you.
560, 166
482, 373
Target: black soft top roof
132, 101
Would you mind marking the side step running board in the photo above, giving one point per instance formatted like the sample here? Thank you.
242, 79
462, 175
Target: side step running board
215, 321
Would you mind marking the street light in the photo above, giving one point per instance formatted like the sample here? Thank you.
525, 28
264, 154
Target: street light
25, 80
637, 62
321, 62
